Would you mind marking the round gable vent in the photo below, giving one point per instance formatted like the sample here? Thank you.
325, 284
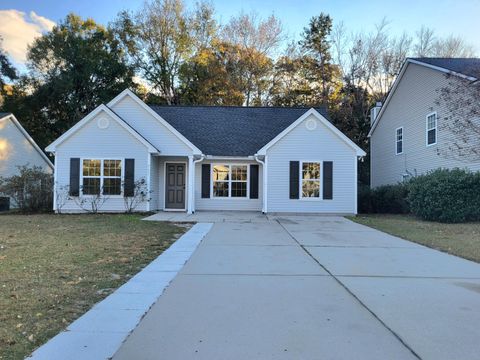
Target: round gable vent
311, 124
103, 123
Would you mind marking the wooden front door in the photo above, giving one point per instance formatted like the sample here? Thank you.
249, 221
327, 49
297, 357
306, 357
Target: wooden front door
175, 186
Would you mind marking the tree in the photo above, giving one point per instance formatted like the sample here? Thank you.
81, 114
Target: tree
460, 124
159, 40
316, 44
428, 45
256, 41
7, 71
72, 69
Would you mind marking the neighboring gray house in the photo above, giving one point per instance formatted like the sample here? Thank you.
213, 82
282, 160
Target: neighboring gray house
407, 137
17, 148
266, 159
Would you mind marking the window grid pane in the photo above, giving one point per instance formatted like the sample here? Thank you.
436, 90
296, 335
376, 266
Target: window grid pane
220, 172
239, 173
112, 186
91, 186
311, 188
311, 170
91, 167
220, 189
239, 189
112, 168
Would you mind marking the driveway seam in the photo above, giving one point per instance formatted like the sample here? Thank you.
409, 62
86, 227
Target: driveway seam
397, 336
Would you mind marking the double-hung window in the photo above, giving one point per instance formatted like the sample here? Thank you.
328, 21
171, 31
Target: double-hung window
431, 129
101, 176
230, 181
399, 141
310, 173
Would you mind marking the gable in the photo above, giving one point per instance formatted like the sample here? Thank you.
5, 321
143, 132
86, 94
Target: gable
17, 148
101, 135
156, 130
308, 139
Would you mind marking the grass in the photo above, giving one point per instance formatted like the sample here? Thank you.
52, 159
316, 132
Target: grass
53, 268
457, 239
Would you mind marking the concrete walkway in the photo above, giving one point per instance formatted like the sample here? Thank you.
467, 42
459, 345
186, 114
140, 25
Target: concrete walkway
294, 287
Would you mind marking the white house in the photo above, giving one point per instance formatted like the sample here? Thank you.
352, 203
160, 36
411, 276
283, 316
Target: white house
266, 159
410, 135
17, 148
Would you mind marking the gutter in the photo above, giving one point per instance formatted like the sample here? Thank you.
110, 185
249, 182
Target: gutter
265, 182
202, 157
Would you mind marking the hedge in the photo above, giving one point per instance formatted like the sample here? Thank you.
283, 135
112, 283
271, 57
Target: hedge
446, 196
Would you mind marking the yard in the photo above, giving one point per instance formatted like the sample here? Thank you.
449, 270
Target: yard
55, 267
458, 239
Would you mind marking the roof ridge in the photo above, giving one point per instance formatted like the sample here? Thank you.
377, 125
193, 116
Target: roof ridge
240, 106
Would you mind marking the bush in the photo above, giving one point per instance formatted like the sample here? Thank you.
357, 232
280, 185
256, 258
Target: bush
446, 196
31, 190
387, 199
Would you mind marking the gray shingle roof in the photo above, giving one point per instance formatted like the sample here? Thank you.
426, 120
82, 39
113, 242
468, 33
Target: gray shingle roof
230, 130
3, 114
465, 66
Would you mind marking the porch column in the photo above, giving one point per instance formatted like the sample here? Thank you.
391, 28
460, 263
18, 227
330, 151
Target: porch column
190, 185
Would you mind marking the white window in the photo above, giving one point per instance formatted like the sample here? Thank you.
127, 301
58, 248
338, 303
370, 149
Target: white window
230, 180
310, 176
101, 176
431, 129
399, 141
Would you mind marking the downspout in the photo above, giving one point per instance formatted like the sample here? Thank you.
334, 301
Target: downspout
202, 157
264, 177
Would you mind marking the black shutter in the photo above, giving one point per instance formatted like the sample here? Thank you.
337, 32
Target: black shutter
74, 176
328, 180
129, 181
205, 180
294, 181
253, 181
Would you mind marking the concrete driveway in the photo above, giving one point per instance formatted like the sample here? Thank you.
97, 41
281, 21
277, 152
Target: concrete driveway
312, 288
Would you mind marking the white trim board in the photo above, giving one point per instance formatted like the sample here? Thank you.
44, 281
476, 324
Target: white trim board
29, 138
128, 92
324, 121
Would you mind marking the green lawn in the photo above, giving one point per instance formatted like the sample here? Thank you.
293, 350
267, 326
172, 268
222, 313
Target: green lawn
53, 268
457, 239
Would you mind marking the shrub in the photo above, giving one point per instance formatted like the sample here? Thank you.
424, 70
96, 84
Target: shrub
446, 196
31, 190
387, 199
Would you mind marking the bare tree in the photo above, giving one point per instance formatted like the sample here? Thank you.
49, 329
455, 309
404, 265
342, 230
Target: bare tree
257, 41
460, 125
424, 42
428, 45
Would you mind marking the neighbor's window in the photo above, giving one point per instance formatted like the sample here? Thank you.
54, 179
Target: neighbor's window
431, 129
230, 180
311, 179
101, 174
399, 141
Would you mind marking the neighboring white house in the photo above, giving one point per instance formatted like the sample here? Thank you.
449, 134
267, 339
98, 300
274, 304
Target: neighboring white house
407, 137
17, 148
268, 159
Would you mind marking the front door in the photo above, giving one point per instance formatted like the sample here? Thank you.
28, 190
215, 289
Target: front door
175, 186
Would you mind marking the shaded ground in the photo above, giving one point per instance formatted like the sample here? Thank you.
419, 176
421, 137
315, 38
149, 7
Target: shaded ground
457, 239
55, 267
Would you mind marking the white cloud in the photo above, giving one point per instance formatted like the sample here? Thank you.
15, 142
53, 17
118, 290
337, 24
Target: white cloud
19, 29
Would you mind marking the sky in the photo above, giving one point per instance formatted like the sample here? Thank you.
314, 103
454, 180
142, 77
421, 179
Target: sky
22, 20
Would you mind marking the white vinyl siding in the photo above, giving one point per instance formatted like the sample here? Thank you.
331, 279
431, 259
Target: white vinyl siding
409, 105
91, 142
322, 144
150, 128
16, 150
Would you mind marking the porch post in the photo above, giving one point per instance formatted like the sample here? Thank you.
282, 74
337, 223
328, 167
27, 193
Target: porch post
190, 185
